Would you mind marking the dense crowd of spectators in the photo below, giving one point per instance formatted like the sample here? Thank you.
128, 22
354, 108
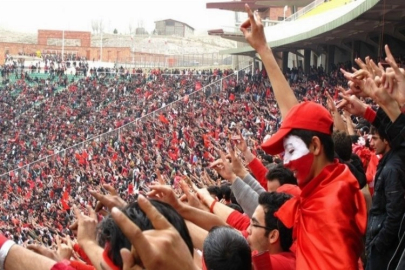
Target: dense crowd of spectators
171, 132
117, 133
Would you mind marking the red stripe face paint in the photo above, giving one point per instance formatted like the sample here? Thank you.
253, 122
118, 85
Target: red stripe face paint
298, 158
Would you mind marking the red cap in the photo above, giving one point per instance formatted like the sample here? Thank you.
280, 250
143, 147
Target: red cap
306, 115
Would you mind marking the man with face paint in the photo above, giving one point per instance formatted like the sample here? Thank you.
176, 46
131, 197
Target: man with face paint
329, 217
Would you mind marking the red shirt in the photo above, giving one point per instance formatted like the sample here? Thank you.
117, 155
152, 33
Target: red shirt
279, 261
259, 172
328, 219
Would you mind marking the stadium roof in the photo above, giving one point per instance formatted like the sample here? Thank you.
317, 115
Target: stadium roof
256, 4
359, 20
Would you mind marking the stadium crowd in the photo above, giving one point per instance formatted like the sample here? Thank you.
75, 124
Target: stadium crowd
241, 170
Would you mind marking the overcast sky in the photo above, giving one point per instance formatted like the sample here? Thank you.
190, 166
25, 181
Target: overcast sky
31, 15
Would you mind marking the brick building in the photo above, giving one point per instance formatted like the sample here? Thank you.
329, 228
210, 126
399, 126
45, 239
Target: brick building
77, 43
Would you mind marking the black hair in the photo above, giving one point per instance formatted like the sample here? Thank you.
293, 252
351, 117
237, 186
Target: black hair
343, 145
226, 191
380, 132
267, 158
271, 202
282, 174
111, 233
326, 140
278, 161
354, 138
226, 249
216, 191
236, 207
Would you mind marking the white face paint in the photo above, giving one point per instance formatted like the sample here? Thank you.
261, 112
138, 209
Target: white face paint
294, 148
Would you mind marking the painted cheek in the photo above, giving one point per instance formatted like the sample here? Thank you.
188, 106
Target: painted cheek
301, 167
287, 158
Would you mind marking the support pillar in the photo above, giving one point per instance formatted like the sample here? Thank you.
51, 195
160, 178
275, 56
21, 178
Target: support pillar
285, 62
307, 61
330, 57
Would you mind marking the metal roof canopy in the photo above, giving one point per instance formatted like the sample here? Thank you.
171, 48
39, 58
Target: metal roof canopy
366, 27
254, 4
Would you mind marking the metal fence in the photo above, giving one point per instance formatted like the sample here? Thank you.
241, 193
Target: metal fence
214, 88
177, 61
307, 9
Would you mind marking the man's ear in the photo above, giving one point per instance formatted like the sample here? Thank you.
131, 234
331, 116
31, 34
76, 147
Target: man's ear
315, 146
274, 236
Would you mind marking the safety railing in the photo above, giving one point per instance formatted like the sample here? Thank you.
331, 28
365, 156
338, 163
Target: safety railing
305, 10
309, 8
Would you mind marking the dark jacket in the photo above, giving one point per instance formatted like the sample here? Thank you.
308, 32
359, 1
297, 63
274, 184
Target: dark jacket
388, 205
385, 222
396, 135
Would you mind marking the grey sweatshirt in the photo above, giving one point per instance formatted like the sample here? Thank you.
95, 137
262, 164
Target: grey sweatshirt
247, 193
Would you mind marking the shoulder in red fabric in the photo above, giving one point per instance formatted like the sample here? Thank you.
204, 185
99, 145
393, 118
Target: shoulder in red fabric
329, 220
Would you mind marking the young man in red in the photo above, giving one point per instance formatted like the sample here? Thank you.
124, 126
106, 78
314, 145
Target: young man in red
329, 217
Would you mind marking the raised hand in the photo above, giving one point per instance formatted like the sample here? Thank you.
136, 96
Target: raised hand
253, 30
237, 165
161, 248
64, 251
109, 201
351, 103
394, 79
165, 194
223, 167
240, 142
87, 226
330, 103
355, 84
191, 198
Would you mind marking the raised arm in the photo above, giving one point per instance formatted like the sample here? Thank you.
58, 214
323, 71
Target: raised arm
253, 31
199, 217
19, 258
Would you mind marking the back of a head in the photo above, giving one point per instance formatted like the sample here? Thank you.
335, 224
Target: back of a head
226, 192
226, 249
343, 145
111, 236
215, 190
282, 174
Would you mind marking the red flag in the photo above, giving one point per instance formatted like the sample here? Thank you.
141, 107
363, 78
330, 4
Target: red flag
65, 206
65, 195
130, 189
64, 200
197, 86
163, 119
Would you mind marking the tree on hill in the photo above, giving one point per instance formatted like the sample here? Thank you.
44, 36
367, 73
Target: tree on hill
115, 31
